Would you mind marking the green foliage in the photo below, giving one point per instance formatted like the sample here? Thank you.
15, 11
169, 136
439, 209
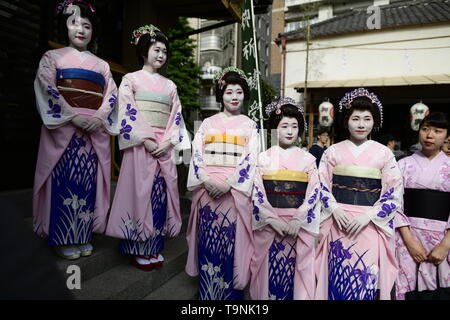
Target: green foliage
182, 68
268, 93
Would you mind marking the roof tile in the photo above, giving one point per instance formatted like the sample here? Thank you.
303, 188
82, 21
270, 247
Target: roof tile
405, 13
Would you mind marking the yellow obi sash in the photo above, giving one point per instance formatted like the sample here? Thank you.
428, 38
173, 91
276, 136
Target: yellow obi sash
223, 149
155, 107
286, 175
357, 171
285, 188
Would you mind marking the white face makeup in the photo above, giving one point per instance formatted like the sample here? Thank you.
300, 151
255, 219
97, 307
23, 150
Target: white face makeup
432, 138
233, 98
79, 32
287, 131
157, 56
360, 124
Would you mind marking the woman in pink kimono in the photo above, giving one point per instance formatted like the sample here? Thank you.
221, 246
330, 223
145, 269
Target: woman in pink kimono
146, 204
221, 173
75, 95
361, 191
423, 236
285, 225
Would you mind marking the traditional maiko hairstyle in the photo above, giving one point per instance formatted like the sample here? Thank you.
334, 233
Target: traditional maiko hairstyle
87, 11
228, 76
362, 100
286, 107
144, 37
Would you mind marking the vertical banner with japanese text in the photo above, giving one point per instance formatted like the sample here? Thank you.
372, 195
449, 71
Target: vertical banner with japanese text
250, 66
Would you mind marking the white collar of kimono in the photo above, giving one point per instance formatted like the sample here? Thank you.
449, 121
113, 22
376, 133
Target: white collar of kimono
357, 150
76, 51
286, 152
154, 74
230, 117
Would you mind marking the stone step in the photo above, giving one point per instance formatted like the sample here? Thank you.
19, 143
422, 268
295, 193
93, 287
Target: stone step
19, 201
107, 274
180, 287
104, 257
129, 283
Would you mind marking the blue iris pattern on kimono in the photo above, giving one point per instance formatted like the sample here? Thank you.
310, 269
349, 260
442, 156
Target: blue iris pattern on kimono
74, 184
131, 229
53, 92
244, 174
178, 118
55, 109
347, 281
216, 238
386, 208
112, 100
256, 211
196, 167
126, 129
259, 195
131, 112
281, 270
323, 197
311, 216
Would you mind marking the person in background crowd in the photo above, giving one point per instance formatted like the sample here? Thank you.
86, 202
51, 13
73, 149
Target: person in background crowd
318, 149
422, 225
446, 146
389, 141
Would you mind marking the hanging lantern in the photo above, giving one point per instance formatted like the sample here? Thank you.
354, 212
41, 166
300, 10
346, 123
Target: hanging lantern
326, 113
417, 113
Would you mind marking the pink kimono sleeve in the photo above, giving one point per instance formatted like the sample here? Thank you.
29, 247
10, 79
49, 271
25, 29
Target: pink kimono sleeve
244, 174
309, 212
329, 203
52, 107
176, 128
197, 173
384, 210
262, 210
400, 219
108, 110
133, 128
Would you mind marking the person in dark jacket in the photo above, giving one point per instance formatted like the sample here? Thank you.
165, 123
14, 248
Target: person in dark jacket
317, 149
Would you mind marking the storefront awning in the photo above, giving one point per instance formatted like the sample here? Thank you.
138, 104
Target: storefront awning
377, 82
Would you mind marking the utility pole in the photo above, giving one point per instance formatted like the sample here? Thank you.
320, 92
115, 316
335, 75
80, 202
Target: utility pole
312, 7
308, 107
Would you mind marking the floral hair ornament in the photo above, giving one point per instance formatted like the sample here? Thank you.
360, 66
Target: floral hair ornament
348, 98
219, 76
63, 5
139, 32
275, 106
